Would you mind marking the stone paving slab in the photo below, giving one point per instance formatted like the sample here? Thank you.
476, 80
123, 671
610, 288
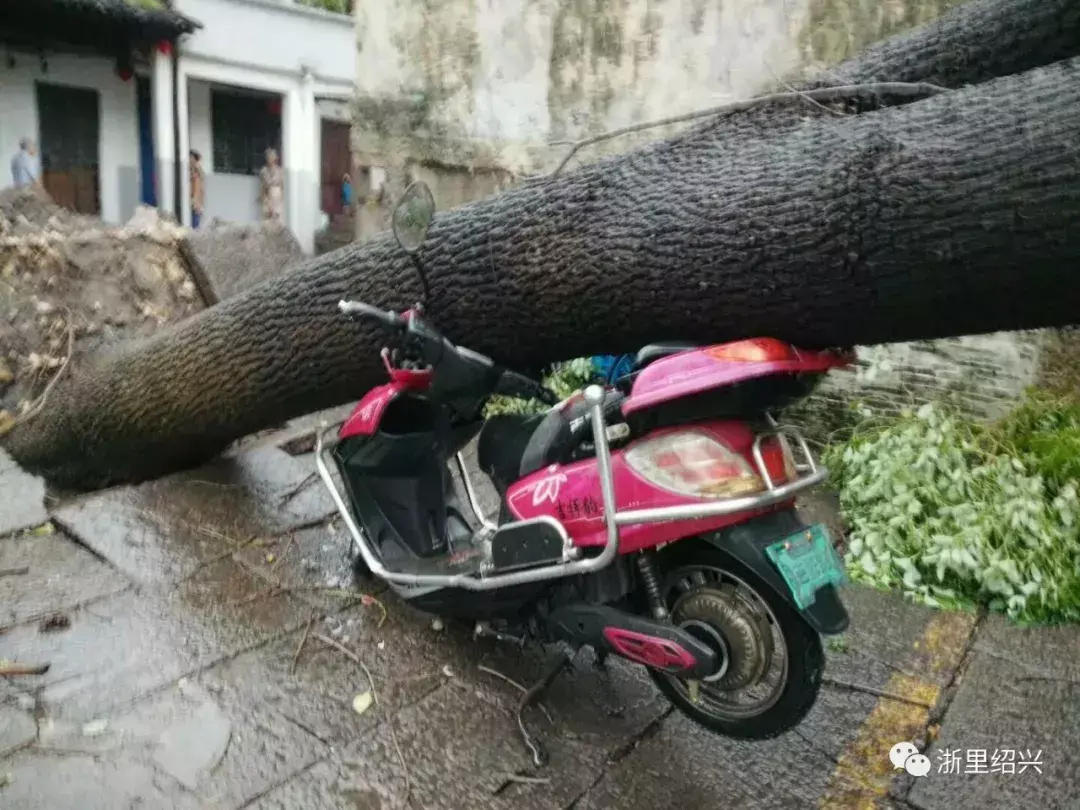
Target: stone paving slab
602, 707
163, 530
47, 781
125, 646
683, 765
226, 753
314, 564
17, 729
459, 752
22, 502
1018, 693
405, 657
890, 637
1053, 651
59, 575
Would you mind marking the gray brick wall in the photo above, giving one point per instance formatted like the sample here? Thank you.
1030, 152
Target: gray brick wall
985, 375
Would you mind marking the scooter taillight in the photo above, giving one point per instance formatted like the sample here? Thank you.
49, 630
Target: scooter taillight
779, 462
693, 463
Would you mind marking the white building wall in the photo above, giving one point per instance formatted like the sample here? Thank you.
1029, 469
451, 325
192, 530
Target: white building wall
299, 53
119, 137
199, 121
230, 197
289, 37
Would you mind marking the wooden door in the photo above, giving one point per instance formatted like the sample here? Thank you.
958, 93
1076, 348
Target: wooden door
69, 125
336, 161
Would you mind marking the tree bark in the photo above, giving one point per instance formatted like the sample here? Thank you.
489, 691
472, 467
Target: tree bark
971, 43
958, 214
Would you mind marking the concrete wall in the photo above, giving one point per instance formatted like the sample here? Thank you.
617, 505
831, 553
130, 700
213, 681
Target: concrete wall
984, 375
118, 156
485, 83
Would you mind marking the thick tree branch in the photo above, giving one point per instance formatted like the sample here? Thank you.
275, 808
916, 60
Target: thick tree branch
971, 43
957, 214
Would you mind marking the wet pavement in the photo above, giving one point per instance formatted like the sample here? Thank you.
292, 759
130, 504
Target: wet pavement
206, 643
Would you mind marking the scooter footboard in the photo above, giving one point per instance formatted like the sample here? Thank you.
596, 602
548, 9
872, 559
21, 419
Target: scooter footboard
748, 543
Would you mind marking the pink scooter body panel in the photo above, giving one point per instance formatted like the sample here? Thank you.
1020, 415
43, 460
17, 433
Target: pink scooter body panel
697, 370
571, 494
368, 413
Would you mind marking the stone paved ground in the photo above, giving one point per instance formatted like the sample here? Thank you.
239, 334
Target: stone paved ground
184, 625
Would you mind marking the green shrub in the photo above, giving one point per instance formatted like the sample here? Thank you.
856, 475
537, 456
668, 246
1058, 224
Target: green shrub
957, 514
564, 379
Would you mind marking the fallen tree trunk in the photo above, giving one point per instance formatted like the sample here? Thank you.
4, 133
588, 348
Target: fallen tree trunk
958, 214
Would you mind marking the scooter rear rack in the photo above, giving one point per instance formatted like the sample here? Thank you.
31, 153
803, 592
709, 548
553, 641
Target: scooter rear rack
480, 577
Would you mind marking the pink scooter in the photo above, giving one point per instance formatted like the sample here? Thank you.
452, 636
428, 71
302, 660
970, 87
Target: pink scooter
653, 518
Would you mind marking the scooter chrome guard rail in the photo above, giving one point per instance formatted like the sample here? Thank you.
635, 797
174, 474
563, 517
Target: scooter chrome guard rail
594, 395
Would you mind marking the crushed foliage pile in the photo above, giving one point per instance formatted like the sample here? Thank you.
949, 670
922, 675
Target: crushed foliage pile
71, 287
960, 514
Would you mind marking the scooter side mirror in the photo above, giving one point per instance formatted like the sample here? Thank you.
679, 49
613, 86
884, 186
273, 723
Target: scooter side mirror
413, 215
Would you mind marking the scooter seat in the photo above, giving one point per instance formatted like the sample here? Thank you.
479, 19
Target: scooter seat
512, 446
656, 351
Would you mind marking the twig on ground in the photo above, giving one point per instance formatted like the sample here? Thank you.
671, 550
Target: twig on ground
10, 669
527, 780
367, 600
39, 404
14, 572
375, 697
817, 95
524, 690
278, 590
265, 593
296, 490
539, 754
511, 778
288, 548
300, 646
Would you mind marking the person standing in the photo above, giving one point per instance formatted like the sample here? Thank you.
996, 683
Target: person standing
198, 188
25, 166
346, 193
272, 188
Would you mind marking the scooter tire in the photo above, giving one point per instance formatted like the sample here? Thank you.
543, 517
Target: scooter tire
806, 658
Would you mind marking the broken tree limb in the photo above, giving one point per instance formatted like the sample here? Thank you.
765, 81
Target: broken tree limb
9, 669
957, 214
818, 95
975, 42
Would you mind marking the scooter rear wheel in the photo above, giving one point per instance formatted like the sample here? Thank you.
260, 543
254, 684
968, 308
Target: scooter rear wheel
772, 660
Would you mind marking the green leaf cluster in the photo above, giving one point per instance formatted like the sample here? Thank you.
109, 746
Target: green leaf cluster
960, 514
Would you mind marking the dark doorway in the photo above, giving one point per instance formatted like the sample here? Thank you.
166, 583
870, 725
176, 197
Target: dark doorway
336, 161
69, 124
148, 186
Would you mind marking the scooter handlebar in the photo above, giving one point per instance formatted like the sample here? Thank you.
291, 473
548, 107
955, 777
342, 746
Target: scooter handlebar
391, 319
512, 384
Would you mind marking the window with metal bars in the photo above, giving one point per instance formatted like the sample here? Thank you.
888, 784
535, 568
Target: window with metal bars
243, 127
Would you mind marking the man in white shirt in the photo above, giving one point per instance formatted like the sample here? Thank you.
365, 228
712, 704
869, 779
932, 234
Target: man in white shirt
25, 167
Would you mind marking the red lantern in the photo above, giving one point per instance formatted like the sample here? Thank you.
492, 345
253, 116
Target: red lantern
274, 105
125, 74
164, 47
